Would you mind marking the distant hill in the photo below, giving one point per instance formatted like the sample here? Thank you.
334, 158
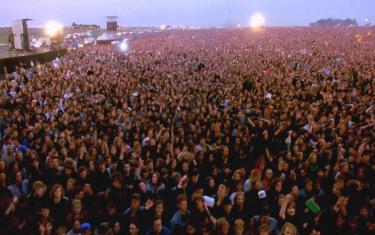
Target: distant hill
334, 22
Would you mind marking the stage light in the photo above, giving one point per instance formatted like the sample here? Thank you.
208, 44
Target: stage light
257, 20
124, 46
52, 28
163, 26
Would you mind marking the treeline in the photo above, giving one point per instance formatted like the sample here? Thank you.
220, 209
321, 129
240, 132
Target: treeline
334, 22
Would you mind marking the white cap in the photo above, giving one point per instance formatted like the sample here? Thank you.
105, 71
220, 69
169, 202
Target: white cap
262, 194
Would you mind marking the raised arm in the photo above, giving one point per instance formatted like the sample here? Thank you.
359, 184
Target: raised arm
286, 200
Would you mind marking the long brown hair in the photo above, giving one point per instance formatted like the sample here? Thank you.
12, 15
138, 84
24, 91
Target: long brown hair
54, 188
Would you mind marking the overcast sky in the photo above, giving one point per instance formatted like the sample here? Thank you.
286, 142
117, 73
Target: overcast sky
202, 13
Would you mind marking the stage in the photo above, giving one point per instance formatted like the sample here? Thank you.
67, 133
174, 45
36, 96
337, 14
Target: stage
12, 59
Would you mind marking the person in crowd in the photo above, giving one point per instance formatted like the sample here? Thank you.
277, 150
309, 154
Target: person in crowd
59, 205
133, 229
157, 228
181, 217
133, 214
288, 229
19, 187
222, 227
76, 213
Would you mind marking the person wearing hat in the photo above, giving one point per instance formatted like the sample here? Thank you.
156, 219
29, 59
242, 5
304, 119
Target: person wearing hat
85, 229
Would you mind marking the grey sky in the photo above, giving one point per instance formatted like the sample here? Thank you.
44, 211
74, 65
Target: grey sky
203, 13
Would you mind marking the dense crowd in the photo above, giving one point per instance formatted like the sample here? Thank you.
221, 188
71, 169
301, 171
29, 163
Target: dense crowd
230, 131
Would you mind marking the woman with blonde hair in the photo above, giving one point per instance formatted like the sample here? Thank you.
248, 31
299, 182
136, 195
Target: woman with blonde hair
239, 227
222, 226
70, 186
289, 229
76, 213
39, 188
37, 196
